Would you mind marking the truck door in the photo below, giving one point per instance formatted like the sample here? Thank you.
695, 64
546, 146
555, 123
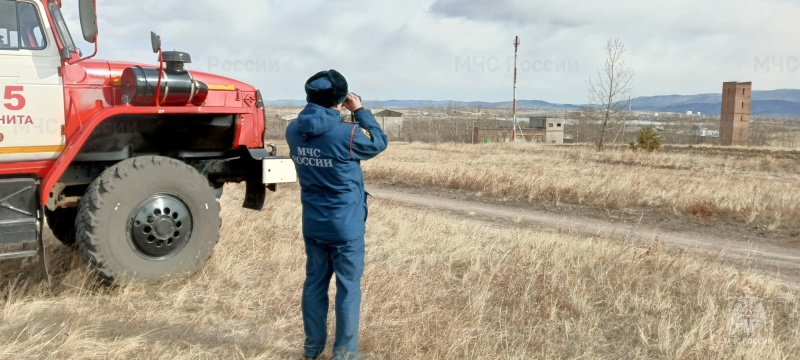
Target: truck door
31, 90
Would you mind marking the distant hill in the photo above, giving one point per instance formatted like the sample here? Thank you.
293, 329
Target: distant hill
522, 104
421, 104
764, 103
785, 102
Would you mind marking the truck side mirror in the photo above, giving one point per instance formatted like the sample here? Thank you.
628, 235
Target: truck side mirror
88, 15
155, 41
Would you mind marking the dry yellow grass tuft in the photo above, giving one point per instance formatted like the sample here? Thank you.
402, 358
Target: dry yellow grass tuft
435, 287
759, 190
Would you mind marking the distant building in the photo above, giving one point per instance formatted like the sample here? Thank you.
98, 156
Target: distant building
537, 122
388, 113
391, 121
539, 130
734, 127
553, 128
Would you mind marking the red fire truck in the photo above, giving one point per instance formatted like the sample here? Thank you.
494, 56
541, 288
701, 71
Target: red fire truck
125, 162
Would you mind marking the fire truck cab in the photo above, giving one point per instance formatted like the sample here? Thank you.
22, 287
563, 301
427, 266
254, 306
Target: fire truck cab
124, 161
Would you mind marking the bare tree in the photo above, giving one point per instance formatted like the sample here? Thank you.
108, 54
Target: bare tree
608, 92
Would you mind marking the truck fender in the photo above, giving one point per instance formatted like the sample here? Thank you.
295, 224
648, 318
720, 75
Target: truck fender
73, 147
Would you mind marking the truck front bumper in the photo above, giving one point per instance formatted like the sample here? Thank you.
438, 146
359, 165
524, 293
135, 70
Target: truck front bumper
259, 169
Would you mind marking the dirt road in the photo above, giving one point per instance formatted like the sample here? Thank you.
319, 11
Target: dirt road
780, 262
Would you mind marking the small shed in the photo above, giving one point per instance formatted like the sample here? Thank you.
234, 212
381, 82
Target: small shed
554, 132
391, 121
388, 113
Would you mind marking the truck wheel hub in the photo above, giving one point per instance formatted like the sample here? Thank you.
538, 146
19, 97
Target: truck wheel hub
161, 225
164, 228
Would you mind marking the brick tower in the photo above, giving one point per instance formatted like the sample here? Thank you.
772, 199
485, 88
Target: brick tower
734, 127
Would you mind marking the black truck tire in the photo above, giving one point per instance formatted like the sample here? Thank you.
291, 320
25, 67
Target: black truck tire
145, 218
61, 222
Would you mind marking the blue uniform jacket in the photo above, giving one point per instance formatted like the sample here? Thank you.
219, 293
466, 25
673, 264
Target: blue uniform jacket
327, 154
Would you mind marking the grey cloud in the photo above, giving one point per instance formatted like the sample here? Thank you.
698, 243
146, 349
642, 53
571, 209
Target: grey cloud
412, 48
508, 11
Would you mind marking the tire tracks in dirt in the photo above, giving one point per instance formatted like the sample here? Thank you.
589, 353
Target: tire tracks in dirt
779, 262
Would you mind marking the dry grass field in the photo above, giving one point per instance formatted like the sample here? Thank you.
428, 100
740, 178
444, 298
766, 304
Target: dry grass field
444, 286
436, 286
710, 183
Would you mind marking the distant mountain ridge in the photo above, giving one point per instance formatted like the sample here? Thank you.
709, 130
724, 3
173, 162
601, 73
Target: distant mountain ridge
443, 104
783, 102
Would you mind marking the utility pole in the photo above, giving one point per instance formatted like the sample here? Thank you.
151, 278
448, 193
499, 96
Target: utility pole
473, 130
514, 106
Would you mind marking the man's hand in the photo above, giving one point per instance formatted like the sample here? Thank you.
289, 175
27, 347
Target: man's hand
352, 102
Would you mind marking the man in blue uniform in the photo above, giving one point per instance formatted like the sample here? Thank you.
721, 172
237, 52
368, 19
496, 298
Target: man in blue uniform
327, 153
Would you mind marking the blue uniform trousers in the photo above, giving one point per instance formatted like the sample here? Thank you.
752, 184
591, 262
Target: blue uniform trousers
323, 259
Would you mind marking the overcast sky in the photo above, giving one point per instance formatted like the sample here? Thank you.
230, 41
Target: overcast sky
462, 49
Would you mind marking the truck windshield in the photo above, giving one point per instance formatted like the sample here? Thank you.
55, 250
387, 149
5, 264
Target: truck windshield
61, 27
